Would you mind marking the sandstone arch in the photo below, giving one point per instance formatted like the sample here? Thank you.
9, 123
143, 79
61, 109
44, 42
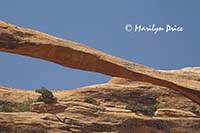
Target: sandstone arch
14, 39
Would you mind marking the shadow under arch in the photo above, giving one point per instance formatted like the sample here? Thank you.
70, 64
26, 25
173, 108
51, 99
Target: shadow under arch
30, 73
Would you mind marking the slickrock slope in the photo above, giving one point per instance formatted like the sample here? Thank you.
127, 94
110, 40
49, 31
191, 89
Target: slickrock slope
35, 44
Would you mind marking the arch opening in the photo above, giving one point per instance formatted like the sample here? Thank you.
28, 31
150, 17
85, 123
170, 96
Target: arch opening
30, 73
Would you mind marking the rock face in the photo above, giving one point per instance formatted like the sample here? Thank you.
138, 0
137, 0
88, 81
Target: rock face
32, 43
72, 114
41, 107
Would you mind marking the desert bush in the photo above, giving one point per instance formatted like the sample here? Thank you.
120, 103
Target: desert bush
90, 100
18, 107
144, 109
6, 108
24, 106
46, 96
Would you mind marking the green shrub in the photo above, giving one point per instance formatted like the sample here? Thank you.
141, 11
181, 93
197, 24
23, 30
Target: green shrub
46, 96
90, 100
6, 108
23, 107
144, 109
18, 107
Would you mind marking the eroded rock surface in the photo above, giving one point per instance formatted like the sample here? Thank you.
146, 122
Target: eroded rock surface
167, 112
32, 43
72, 114
41, 107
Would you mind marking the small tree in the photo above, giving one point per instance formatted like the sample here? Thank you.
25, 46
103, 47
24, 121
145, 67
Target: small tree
46, 96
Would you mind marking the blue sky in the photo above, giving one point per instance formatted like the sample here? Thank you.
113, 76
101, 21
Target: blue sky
101, 25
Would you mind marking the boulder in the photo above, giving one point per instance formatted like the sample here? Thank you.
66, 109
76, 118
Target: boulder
41, 107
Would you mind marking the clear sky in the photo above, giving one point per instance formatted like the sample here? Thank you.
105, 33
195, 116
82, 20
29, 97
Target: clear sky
101, 25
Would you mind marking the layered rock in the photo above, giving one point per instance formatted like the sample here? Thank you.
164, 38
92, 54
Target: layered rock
35, 44
72, 114
41, 107
167, 112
